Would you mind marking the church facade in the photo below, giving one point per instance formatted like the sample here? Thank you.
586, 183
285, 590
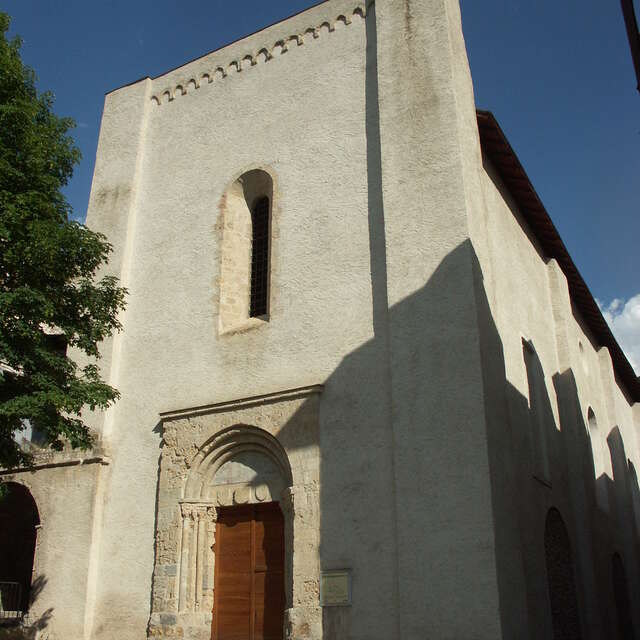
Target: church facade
366, 394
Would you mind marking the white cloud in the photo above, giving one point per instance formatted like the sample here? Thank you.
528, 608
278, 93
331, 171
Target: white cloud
624, 319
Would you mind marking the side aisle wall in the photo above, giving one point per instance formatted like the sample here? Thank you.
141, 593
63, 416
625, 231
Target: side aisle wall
63, 486
561, 430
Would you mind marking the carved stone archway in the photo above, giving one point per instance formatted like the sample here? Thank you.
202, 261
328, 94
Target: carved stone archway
215, 457
233, 450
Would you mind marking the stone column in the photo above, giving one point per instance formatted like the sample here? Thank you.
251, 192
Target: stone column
187, 516
196, 557
287, 507
210, 518
193, 558
201, 513
204, 533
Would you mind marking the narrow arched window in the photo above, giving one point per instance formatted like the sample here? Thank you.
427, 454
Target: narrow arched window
599, 461
259, 258
245, 263
540, 413
635, 493
562, 589
621, 596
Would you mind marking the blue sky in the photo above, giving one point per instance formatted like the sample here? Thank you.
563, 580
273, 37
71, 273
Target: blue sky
557, 75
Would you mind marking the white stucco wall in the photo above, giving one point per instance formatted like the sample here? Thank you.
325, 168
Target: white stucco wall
283, 115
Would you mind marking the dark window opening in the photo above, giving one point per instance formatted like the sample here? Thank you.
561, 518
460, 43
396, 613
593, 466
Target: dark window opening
259, 258
57, 343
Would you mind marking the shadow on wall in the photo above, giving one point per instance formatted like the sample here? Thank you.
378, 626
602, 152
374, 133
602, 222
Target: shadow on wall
430, 502
539, 472
396, 440
538, 465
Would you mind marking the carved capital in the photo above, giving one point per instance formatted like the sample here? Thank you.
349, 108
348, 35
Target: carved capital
200, 511
210, 514
197, 511
186, 509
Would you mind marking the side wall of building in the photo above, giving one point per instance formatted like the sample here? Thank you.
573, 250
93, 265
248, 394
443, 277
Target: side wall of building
562, 431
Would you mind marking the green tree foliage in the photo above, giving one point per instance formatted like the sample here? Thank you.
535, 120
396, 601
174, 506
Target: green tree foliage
48, 273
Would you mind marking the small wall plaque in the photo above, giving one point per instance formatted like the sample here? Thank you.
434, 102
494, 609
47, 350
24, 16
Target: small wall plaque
335, 588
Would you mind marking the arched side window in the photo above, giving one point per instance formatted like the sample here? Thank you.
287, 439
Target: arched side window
540, 414
621, 596
560, 579
635, 494
245, 251
592, 423
600, 465
18, 529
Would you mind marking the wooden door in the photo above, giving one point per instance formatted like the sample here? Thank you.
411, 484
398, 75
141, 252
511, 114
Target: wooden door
249, 573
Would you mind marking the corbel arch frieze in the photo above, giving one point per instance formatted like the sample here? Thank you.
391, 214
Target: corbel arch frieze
265, 53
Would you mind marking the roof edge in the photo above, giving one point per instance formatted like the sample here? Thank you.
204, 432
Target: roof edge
633, 35
495, 144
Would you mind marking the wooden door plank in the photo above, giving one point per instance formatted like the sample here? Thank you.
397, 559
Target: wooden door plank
249, 573
268, 577
234, 576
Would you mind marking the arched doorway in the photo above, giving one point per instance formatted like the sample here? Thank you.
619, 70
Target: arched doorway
18, 529
562, 589
237, 497
621, 597
227, 461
